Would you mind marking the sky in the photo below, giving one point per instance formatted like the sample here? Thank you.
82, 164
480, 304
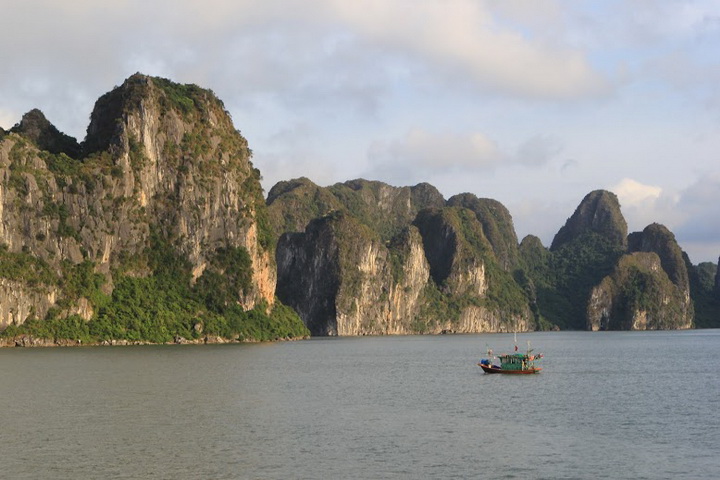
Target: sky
534, 103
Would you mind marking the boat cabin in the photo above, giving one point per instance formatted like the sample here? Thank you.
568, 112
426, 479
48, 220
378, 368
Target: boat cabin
516, 361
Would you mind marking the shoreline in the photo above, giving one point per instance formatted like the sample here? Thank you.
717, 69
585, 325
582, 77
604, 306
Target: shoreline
30, 341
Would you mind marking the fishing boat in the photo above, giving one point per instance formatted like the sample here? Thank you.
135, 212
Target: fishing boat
513, 363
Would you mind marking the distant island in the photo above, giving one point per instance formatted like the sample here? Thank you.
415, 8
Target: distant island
154, 229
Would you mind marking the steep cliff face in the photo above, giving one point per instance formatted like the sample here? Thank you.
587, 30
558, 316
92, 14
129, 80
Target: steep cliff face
705, 294
410, 276
343, 280
456, 249
583, 252
536, 276
159, 159
186, 169
593, 274
420, 267
379, 263
599, 212
497, 226
436, 275
638, 295
308, 275
657, 238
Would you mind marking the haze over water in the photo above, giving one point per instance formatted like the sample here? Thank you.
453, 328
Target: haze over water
607, 405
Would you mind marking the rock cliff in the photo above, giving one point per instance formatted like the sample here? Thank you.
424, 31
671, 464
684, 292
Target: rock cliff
705, 294
343, 280
293, 204
497, 226
593, 274
383, 208
583, 252
160, 160
638, 295
391, 260
35, 127
658, 239
467, 272
599, 212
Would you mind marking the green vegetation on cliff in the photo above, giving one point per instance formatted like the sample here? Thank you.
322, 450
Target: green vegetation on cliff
35, 127
26, 268
385, 209
159, 308
638, 294
497, 226
564, 286
560, 281
88, 259
706, 295
599, 212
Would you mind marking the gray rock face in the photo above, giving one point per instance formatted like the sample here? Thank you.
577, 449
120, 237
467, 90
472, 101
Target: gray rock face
432, 277
308, 275
343, 280
158, 157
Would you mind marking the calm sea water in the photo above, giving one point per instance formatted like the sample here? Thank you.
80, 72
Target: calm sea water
640, 405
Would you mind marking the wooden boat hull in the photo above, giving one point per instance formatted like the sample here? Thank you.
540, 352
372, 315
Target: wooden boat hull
488, 369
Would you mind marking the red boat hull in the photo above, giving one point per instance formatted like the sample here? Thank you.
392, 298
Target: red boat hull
488, 369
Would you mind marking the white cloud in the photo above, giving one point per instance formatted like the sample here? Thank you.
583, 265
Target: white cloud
463, 37
632, 193
428, 153
332, 53
643, 204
